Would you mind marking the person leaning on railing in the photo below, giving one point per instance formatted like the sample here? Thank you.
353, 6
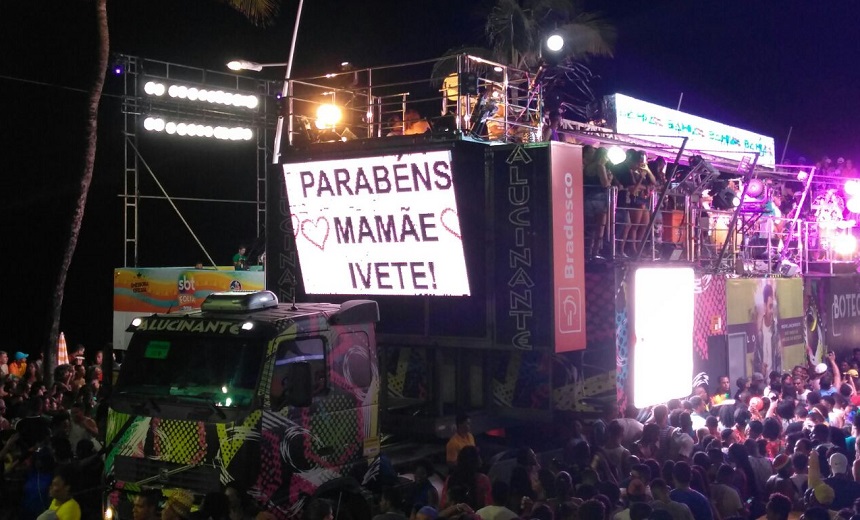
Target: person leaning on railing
596, 182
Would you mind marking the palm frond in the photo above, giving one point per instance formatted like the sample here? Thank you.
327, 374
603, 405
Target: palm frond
448, 63
259, 12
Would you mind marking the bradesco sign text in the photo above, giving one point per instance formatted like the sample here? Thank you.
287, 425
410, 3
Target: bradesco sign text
378, 225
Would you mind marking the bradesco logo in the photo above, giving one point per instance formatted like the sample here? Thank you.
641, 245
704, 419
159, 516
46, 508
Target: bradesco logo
190, 326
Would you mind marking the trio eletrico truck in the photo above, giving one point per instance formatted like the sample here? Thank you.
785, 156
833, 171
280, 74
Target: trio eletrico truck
470, 258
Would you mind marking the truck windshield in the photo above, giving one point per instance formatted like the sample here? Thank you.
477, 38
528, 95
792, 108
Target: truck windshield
221, 371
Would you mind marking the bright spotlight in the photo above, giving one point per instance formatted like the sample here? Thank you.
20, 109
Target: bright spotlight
844, 244
328, 116
616, 155
853, 204
802, 175
852, 187
555, 43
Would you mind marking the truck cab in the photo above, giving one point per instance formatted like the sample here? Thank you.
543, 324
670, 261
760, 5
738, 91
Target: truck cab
281, 399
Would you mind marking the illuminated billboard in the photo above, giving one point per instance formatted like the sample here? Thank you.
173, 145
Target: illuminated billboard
664, 125
663, 330
384, 225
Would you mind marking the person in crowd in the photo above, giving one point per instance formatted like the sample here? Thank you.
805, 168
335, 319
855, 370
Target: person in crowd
390, 505
498, 510
550, 130
663, 501
467, 476
424, 492
18, 367
4, 363
700, 507
723, 494
617, 456
63, 504
596, 181
462, 437
146, 505
526, 477
723, 391
415, 124
778, 507
846, 489
240, 259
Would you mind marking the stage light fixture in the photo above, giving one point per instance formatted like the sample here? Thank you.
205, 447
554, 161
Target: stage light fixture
852, 187
328, 116
191, 93
185, 129
853, 204
616, 155
723, 197
755, 188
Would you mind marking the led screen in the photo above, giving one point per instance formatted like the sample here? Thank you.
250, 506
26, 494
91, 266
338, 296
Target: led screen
663, 331
664, 125
378, 225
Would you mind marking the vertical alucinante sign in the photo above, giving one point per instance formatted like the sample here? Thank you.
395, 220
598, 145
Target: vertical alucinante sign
383, 225
521, 219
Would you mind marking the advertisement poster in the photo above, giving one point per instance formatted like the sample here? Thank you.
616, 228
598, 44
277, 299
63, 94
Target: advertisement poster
142, 291
568, 247
769, 311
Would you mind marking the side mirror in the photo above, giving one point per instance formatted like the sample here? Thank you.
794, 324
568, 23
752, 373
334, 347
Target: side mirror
298, 384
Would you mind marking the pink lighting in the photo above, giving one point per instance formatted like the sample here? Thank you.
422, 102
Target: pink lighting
802, 175
853, 204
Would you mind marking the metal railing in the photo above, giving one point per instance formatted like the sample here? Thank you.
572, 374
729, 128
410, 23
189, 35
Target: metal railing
462, 94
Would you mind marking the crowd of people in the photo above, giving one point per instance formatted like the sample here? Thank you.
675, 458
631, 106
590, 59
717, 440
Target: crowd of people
49, 436
776, 447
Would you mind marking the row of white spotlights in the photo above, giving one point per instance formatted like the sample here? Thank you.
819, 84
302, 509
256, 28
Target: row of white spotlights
236, 133
154, 88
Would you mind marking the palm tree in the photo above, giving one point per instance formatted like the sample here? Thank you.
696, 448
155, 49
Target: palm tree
258, 11
516, 29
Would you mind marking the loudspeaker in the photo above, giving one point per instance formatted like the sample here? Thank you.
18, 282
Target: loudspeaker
788, 269
671, 251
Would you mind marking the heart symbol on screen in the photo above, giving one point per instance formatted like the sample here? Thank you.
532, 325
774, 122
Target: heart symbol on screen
451, 222
294, 221
316, 232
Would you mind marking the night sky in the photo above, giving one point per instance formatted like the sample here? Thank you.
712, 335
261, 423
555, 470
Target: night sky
766, 66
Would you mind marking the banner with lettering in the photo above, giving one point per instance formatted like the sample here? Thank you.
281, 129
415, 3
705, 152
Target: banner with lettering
148, 290
385, 225
523, 246
839, 316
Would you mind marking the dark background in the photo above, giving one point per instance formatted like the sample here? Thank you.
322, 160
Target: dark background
767, 66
